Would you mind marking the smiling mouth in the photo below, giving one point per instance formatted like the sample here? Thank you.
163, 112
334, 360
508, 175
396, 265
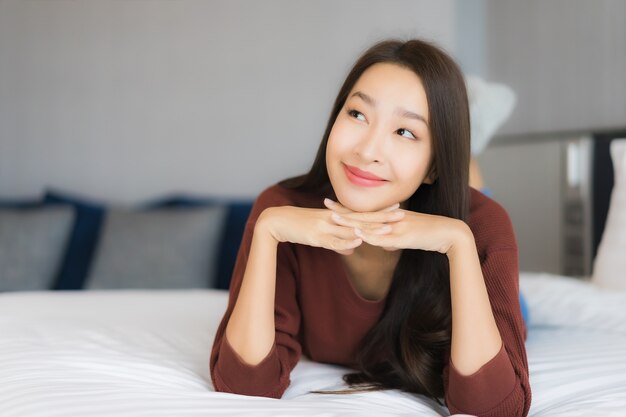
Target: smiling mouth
363, 174
357, 179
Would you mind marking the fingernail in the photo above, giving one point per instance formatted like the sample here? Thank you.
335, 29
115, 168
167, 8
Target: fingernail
398, 214
328, 201
358, 231
336, 216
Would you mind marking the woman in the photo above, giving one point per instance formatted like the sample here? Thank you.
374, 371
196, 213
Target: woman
381, 257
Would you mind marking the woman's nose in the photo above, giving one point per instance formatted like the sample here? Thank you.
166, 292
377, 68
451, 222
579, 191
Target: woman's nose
371, 146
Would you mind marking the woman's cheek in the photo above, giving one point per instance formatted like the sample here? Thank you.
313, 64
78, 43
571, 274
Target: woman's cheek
344, 137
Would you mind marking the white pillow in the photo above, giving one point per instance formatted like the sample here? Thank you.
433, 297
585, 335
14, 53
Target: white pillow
609, 268
490, 105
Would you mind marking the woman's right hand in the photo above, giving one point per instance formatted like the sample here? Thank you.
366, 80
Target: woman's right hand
315, 227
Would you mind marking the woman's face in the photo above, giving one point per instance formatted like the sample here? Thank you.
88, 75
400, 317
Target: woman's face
382, 129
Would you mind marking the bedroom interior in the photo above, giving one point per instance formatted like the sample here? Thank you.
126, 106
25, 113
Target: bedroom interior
135, 135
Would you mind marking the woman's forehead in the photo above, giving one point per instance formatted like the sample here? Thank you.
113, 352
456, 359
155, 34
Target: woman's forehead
392, 87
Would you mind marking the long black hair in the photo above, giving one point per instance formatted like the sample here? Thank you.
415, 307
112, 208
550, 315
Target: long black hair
406, 348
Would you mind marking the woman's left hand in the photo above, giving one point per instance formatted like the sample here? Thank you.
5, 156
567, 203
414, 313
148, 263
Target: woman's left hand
412, 231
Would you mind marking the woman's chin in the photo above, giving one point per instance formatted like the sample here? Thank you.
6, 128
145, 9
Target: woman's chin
359, 204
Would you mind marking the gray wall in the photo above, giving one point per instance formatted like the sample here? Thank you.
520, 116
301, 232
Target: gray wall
566, 60
127, 100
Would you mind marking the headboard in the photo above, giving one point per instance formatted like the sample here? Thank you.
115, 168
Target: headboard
557, 188
602, 180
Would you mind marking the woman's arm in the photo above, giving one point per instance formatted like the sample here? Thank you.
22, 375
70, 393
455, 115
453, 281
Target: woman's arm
256, 344
475, 336
251, 329
231, 367
487, 370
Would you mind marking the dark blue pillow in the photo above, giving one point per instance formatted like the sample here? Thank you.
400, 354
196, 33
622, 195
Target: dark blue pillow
232, 233
83, 239
178, 201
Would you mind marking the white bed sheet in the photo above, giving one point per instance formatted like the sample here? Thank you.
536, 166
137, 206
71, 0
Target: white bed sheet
145, 353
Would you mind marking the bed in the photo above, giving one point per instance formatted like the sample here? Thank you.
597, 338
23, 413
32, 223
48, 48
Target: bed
145, 353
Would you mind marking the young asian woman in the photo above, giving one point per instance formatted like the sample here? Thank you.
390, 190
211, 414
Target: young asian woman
382, 258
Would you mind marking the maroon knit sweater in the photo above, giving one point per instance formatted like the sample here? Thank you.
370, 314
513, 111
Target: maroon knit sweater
319, 313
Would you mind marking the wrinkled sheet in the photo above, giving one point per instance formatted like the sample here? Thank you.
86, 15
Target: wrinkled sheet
146, 352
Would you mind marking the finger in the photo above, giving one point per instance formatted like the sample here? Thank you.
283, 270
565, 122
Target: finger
385, 241
333, 205
377, 216
341, 238
338, 244
342, 221
350, 221
391, 208
345, 251
345, 233
342, 232
382, 230
375, 228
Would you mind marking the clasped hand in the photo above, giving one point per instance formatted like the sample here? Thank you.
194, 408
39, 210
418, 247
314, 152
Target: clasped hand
393, 228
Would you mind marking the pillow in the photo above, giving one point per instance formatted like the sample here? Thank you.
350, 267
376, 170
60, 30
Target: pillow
82, 241
238, 213
32, 242
232, 234
610, 263
158, 249
490, 104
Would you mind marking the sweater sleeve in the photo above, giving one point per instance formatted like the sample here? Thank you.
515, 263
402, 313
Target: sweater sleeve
501, 387
270, 377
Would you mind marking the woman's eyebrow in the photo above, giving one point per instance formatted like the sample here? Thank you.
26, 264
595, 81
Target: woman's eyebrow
399, 110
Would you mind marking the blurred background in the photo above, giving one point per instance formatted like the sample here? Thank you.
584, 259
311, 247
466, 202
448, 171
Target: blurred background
122, 102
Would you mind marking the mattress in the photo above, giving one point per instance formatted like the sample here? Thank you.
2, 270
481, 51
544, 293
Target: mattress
146, 353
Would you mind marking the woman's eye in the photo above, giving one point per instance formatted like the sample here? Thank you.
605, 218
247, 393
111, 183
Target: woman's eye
353, 112
409, 132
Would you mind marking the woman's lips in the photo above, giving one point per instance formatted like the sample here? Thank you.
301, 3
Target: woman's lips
358, 180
